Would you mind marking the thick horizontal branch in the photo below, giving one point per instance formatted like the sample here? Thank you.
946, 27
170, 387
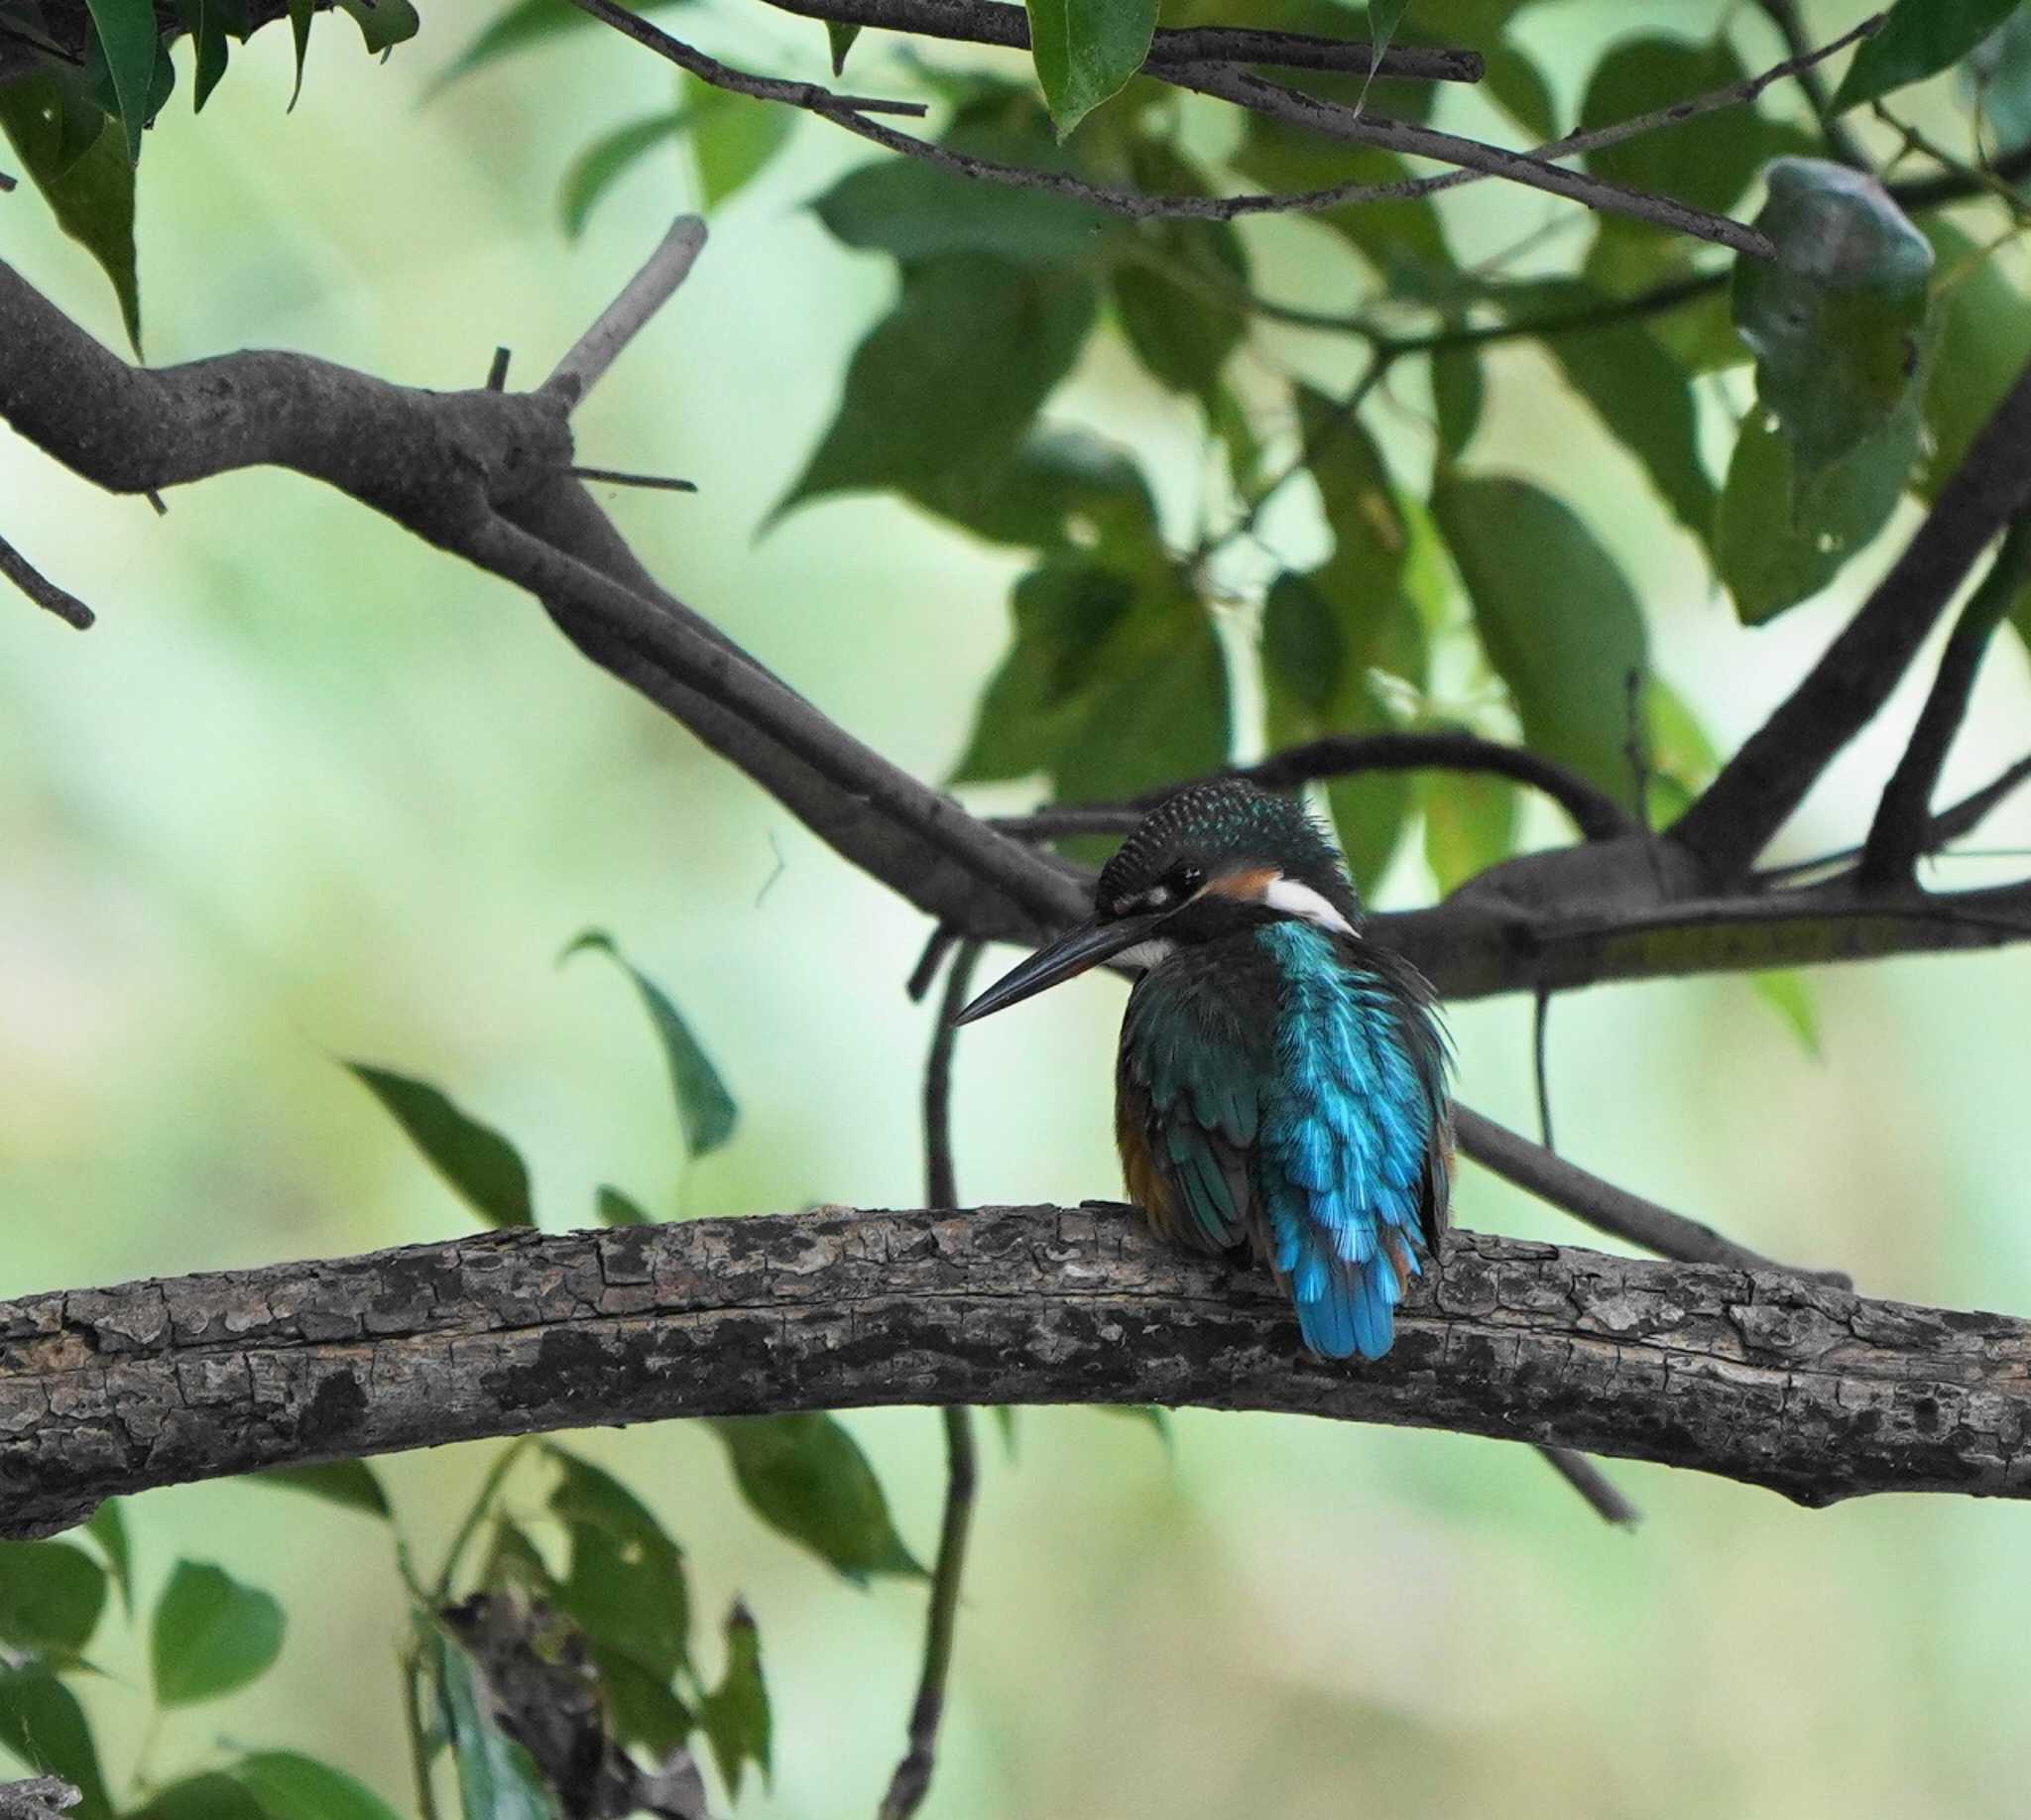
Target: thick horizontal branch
1761, 1376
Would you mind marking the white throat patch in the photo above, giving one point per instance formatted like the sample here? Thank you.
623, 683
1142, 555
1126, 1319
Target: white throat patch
1297, 899
1149, 954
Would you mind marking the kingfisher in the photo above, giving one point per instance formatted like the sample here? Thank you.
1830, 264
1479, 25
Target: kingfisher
1281, 1083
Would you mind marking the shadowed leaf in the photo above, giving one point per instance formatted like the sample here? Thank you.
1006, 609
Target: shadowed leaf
108, 1527
734, 1715
210, 1635
806, 1478
839, 41
126, 33
51, 1596
496, 1780
605, 162
42, 1723
525, 24
480, 1163
202, 1797
290, 1786
350, 1483
623, 1586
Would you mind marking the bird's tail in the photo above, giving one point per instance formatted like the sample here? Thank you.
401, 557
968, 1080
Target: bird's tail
1345, 1270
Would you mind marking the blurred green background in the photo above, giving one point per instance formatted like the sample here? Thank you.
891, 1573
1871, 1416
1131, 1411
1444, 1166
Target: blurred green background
311, 790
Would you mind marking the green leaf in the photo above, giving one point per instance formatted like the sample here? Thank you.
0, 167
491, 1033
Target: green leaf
290, 1786
618, 1209
806, 1478
1557, 619
1058, 486
216, 1796
77, 159
300, 14
913, 210
383, 24
705, 1110
1998, 78
350, 1483
735, 1714
210, 1635
496, 1778
1086, 50
1984, 342
1708, 161
625, 1585
126, 31
1005, 1420
732, 137
51, 1596
1470, 824
1788, 994
1835, 318
1457, 393
1517, 87
42, 1723
1919, 39
480, 1163
107, 1527
839, 39
603, 162
644, 1708
896, 426
1680, 758
1149, 1414
1175, 283
1780, 539
205, 23
523, 25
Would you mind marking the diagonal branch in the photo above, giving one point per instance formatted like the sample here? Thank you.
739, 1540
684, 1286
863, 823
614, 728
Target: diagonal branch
40, 589
1761, 1377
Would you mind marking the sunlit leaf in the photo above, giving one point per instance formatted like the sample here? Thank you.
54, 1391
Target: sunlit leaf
705, 1109
289, 1787
605, 162
1835, 318
735, 1714
1679, 758
1920, 39
896, 424
51, 1596
733, 136
1086, 50
42, 1723
496, 1778
77, 159
806, 1478
480, 1163
1790, 995
624, 1585
1557, 618
210, 1635
349, 1484
1470, 824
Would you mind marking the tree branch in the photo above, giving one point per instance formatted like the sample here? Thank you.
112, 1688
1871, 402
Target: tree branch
40, 589
1757, 790
1761, 1377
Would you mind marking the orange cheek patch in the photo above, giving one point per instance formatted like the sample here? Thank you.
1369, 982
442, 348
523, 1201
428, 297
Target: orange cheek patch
1246, 886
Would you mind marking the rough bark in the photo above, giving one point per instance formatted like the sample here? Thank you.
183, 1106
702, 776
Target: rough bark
1756, 1376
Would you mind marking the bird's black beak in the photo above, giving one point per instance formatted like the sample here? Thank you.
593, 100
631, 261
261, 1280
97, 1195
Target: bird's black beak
1067, 957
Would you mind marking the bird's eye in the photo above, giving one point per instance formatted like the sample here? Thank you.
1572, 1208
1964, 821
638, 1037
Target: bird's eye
1184, 879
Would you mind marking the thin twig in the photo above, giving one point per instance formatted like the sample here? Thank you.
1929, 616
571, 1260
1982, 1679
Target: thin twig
1897, 836
1594, 1485
985, 21
1978, 178
42, 590
1539, 1030
629, 313
618, 477
1604, 1206
497, 370
931, 959
912, 1778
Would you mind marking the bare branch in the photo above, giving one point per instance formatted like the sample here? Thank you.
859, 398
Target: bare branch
1761, 1376
46, 594
1903, 819
1759, 786
629, 313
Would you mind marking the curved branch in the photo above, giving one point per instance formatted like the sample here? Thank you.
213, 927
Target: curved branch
1756, 1376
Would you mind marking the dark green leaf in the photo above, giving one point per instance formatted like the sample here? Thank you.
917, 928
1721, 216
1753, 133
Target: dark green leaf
1707, 161
525, 24
1005, 1420
205, 22
1984, 342
602, 164
913, 210
77, 159
1835, 318
42, 1723
202, 1797
51, 1596
1779, 539
1149, 1414
126, 33
480, 1163
1790, 995
618, 1209
350, 1483
496, 1778
300, 14
289, 1787
896, 426
806, 1478
1920, 39
1086, 50
383, 24
705, 1110
1176, 284
839, 39
1058, 486
513, 1560
108, 1527
732, 137
735, 1714
625, 1585
210, 1635
1517, 87
1456, 396
644, 1708
1470, 824
1557, 619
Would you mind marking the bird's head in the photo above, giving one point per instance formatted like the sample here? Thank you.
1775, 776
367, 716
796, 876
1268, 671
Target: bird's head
1211, 859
